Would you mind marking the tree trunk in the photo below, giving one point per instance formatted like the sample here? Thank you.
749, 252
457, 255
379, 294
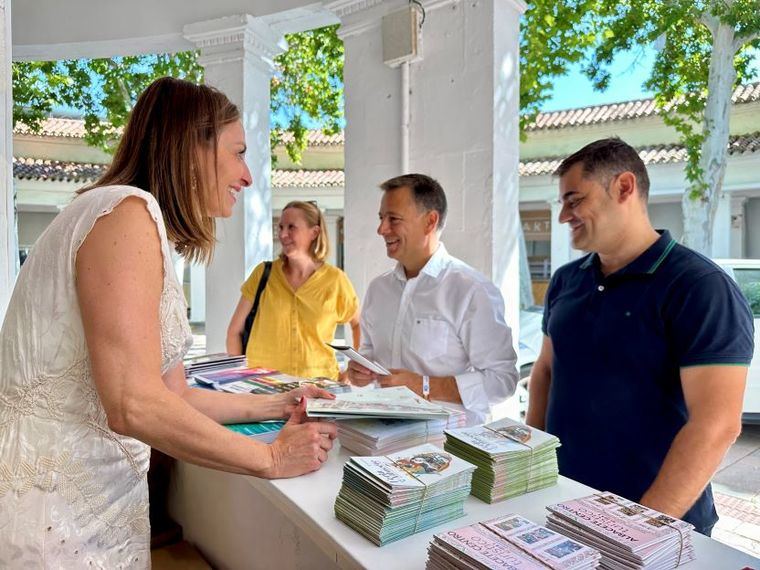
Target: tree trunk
699, 213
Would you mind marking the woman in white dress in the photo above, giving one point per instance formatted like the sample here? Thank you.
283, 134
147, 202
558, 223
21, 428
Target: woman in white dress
91, 348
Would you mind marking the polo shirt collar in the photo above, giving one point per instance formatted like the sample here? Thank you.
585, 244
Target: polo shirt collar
433, 267
646, 263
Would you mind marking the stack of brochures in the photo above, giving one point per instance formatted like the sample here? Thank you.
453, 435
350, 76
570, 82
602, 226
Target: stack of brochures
512, 458
398, 402
508, 543
389, 497
211, 362
628, 535
262, 381
383, 436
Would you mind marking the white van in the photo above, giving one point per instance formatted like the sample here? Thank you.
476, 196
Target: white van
746, 273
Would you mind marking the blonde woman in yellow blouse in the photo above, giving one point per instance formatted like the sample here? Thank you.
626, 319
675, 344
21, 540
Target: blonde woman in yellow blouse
304, 300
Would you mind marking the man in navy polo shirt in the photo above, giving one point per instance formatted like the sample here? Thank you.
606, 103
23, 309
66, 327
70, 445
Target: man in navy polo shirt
646, 346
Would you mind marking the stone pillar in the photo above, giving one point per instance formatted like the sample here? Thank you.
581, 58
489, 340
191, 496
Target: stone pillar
237, 54
562, 251
737, 227
8, 234
464, 131
721, 246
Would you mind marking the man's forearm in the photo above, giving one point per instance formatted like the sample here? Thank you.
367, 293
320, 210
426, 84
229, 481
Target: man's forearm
445, 389
356, 334
691, 462
538, 398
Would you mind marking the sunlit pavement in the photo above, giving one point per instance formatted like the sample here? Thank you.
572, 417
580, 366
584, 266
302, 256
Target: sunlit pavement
736, 486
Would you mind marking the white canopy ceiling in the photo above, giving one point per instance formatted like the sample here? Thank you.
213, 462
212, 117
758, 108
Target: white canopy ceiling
62, 29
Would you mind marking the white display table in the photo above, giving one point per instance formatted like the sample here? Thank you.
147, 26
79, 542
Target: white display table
241, 522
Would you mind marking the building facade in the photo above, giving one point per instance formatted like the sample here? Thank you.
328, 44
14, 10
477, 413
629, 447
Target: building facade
48, 167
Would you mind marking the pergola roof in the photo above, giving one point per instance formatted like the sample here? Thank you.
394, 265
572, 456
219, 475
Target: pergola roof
140, 26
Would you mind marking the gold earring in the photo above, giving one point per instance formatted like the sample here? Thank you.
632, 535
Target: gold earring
193, 182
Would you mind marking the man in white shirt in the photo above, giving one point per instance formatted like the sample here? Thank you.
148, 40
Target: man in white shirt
435, 322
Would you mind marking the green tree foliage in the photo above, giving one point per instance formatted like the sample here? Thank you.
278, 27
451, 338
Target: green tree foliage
307, 86
553, 36
308, 83
680, 76
705, 49
103, 90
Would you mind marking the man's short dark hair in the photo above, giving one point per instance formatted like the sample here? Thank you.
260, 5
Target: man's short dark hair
426, 192
605, 159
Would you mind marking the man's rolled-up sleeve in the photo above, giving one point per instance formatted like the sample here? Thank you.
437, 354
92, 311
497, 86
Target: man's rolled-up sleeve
487, 339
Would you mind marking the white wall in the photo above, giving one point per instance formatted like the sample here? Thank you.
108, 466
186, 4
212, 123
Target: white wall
31, 225
463, 133
752, 235
667, 216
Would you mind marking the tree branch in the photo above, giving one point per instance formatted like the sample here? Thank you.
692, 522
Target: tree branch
710, 22
741, 39
122, 87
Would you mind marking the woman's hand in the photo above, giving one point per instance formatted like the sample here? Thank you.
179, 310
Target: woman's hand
294, 397
302, 445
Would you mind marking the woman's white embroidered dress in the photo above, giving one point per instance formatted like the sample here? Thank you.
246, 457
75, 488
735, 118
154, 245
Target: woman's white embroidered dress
72, 492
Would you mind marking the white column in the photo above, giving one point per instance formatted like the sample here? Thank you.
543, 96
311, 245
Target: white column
197, 293
721, 246
464, 131
8, 235
737, 227
237, 54
562, 251
331, 219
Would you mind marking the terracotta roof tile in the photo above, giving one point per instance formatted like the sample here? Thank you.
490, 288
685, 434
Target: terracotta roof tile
621, 111
55, 127
55, 170
658, 154
307, 178
74, 128
318, 138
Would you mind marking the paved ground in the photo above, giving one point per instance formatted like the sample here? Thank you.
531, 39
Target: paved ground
737, 493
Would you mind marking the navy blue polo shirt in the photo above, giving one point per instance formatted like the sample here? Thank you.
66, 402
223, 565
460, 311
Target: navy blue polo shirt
619, 342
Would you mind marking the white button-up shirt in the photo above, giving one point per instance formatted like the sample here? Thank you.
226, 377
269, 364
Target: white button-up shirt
447, 321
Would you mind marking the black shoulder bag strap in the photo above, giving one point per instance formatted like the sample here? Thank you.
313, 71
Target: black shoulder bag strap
246, 334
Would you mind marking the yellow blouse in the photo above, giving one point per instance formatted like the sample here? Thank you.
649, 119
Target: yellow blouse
291, 327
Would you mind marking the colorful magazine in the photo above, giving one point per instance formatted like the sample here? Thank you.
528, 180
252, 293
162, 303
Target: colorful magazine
265, 432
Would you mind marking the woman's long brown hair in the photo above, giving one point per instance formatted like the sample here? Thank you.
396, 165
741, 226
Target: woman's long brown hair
159, 152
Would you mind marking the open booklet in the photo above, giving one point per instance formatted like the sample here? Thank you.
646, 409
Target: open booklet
397, 402
358, 358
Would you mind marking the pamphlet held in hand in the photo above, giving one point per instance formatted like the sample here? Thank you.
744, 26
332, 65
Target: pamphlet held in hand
356, 357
